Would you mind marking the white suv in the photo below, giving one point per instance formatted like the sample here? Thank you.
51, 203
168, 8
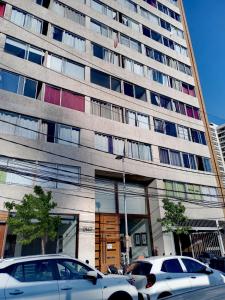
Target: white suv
59, 277
158, 277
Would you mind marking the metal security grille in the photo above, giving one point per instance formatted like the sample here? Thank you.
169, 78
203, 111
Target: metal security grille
205, 242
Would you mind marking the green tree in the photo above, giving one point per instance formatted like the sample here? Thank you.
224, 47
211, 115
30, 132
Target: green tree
32, 219
174, 219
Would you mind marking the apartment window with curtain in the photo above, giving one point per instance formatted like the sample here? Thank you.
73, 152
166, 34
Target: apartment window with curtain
23, 50
103, 29
139, 150
105, 80
61, 134
109, 144
103, 9
129, 42
19, 125
106, 54
164, 156
129, 4
2, 9
129, 22
65, 66
72, 40
137, 119
150, 16
64, 98
106, 110
68, 12
28, 21
132, 66
175, 158
44, 3
183, 132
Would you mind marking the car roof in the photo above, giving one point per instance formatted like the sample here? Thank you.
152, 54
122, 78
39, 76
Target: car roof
154, 259
10, 261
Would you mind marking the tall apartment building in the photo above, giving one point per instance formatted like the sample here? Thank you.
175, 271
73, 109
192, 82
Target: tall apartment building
218, 140
83, 82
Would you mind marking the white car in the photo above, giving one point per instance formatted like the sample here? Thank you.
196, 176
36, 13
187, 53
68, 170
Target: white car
160, 276
59, 277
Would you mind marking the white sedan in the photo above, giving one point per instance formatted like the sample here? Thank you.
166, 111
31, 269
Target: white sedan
59, 277
158, 277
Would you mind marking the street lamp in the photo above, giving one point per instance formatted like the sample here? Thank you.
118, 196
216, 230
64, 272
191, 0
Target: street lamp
121, 157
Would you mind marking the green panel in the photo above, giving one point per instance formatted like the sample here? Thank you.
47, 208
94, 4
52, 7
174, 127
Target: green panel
3, 176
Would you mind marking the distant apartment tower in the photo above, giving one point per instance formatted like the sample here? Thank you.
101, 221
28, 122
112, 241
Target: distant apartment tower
83, 82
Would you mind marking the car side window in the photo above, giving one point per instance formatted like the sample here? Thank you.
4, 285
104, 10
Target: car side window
70, 270
171, 266
33, 271
192, 266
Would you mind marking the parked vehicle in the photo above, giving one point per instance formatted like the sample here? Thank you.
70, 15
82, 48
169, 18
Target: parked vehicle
159, 277
209, 293
56, 277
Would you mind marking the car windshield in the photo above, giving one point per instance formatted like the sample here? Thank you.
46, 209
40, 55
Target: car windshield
139, 268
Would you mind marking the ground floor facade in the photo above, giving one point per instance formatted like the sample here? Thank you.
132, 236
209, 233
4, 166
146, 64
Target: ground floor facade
96, 232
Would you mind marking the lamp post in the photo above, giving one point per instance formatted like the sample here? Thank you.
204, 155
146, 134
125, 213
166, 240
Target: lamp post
121, 157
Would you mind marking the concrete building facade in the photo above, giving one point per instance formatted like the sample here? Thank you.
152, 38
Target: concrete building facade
83, 82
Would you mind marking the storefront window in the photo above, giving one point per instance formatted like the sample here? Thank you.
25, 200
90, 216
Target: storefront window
65, 241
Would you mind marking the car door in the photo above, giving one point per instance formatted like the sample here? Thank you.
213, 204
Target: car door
32, 280
138, 272
72, 281
195, 272
174, 275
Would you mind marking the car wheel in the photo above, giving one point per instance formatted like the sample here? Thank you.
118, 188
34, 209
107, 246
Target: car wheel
164, 294
120, 296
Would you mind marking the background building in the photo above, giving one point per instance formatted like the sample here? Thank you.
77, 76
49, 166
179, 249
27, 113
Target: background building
83, 82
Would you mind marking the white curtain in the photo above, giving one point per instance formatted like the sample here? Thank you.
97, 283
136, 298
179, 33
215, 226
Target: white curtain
118, 146
68, 39
138, 69
128, 64
117, 114
79, 44
95, 107
27, 123
131, 116
7, 128
101, 142
74, 70
58, 8
143, 121
18, 17
106, 110
54, 63
145, 152
97, 6
33, 24
64, 135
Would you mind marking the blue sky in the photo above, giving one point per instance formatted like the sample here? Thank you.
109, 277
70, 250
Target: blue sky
206, 21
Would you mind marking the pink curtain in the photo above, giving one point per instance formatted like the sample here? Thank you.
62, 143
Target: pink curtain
2, 9
185, 88
192, 91
52, 95
196, 113
73, 101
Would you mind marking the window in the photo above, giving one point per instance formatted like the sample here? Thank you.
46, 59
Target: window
103, 9
18, 125
159, 125
109, 144
155, 99
132, 66
64, 98
207, 164
129, 42
193, 192
28, 21
128, 89
129, 22
175, 158
149, 16
170, 129
164, 156
68, 38
103, 29
100, 78
105, 54
65, 66
67, 12
137, 119
71, 270
2, 9
44, 3
34, 271
23, 50
183, 132
106, 110
192, 266
186, 160
171, 266
18, 84
179, 190
139, 150
140, 93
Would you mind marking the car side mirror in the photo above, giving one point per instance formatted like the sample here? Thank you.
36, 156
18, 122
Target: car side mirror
208, 271
92, 276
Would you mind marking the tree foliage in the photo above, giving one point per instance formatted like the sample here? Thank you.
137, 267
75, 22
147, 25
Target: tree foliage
174, 219
32, 219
